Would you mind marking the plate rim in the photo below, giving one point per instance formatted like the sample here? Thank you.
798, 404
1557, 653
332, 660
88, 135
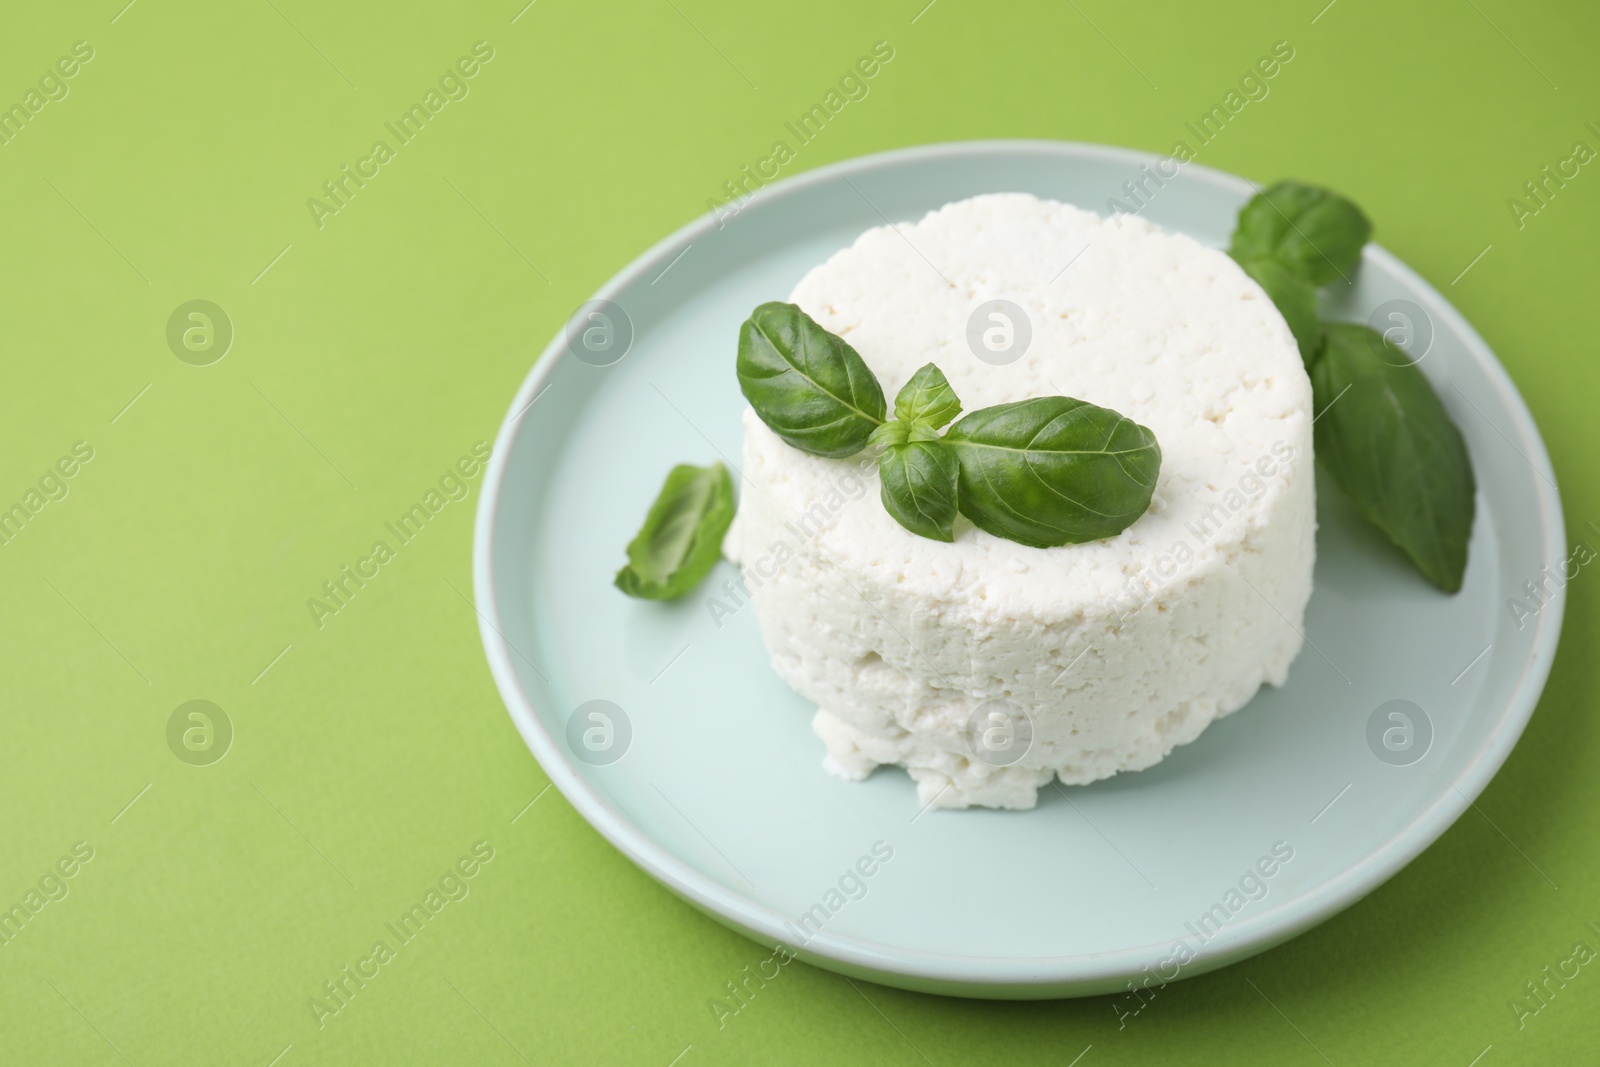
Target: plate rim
1000, 976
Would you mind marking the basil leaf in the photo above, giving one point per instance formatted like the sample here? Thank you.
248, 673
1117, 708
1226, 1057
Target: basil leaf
1315, 234
890, 434
681, 539
1393, 449
809, 386
927, 398
1295, 300
1053, 470
918, 482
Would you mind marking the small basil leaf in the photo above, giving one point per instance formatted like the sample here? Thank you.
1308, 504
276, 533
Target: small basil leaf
1053, 470
1295, 300
918, 483
1315, 234
1382, 432
927, 398
807, 384
682, 535
890, 434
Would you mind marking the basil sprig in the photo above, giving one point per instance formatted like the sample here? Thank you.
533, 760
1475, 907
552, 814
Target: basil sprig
1380, 428
1043, 472
681, 539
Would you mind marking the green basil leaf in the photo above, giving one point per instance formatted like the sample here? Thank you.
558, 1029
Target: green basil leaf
1387, 439
1053, 470
1315, 234
927, 398
681, 539
917, 481
1295, 300
809, 386
890, 434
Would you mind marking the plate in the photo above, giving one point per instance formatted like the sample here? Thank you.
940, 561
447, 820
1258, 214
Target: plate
666, 728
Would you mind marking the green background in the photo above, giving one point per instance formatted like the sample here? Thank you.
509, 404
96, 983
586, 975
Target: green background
373, 752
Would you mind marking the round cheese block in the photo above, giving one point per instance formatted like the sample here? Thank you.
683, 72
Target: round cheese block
985, 667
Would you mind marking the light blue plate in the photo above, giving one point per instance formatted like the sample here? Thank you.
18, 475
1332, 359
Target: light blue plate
703, 769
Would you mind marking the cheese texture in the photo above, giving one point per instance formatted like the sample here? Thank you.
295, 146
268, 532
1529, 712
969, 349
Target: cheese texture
986, 667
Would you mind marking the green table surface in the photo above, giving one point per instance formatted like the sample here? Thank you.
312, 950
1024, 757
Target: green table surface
375, 345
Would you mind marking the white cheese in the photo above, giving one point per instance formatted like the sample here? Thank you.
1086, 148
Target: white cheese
1109, 654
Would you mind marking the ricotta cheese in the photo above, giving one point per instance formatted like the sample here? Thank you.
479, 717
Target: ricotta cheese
986, 667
